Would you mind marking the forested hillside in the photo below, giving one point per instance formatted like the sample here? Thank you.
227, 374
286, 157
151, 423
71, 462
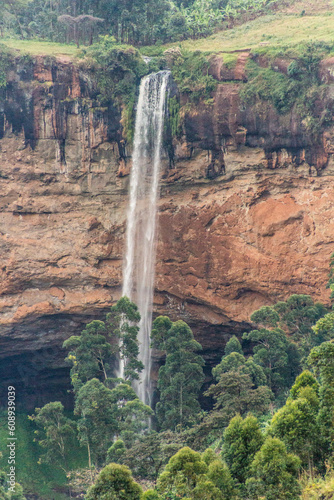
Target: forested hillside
134, 22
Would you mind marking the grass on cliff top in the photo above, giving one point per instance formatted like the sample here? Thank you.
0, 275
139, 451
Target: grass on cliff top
36, 47
274, 32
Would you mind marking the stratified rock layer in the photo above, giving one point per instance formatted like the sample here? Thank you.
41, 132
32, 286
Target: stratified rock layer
246, 218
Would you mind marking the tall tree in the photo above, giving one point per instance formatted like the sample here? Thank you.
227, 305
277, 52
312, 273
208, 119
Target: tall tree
89, 354
181, 377
276, 354
274, 473
322, 360
55, 435
296, 423
123, 321
97, 424
107, 414
242, 440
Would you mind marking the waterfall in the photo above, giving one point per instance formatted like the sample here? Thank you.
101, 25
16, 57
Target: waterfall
138, 272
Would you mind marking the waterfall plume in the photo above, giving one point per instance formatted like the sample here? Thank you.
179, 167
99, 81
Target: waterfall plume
138, 272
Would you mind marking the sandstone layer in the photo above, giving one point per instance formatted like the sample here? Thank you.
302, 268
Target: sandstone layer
246, 217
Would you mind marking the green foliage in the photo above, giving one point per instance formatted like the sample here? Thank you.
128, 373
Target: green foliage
331, 275
107, 413
242, 440
276, 354
88, 354
55, 435
324, 327
151, 452
7, 490
186, 463
6, 58
297, 426
274, 473
297, 315
123, 320
233, 345
187, 475
190, 72
305, 379
265, 84
116, 451
150, 495
114, 482
181, 377
219, 475
39, 479
300, 88
97, 424
119, 69
237, 363
322, 360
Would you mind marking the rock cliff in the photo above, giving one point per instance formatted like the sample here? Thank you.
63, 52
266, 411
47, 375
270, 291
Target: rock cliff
246, 216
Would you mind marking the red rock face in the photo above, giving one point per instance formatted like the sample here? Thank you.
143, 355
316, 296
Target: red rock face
245, 219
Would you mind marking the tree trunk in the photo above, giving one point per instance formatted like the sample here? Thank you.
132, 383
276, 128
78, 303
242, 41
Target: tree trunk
90, 463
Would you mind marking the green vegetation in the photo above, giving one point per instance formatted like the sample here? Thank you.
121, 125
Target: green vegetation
40, 47
181, 377
115, 482
141, 23
48, 481
267, 429
274, 32
55, 435
256, 452
190, 71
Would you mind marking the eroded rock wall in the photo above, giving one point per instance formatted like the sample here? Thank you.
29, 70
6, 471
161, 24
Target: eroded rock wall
245, 218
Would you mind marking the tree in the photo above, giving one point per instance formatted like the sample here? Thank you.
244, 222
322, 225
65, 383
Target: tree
233, 345
181, 377
132, 415
114, 482
235, 393
220, 476
298, 314
80, 26
242, 440
89, 354
241, 386
295, 316
322, 360
116, 451
97, 424
6, 488
236, 362
123, 321
276, 354
182, 473
274, 473
55, 435
324, 328
152, 452
305, 379
107, 414
297, 426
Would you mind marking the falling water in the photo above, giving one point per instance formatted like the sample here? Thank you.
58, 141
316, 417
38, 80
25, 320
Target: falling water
138, 274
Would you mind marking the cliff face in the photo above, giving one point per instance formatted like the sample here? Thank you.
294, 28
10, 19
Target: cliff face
245, 218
